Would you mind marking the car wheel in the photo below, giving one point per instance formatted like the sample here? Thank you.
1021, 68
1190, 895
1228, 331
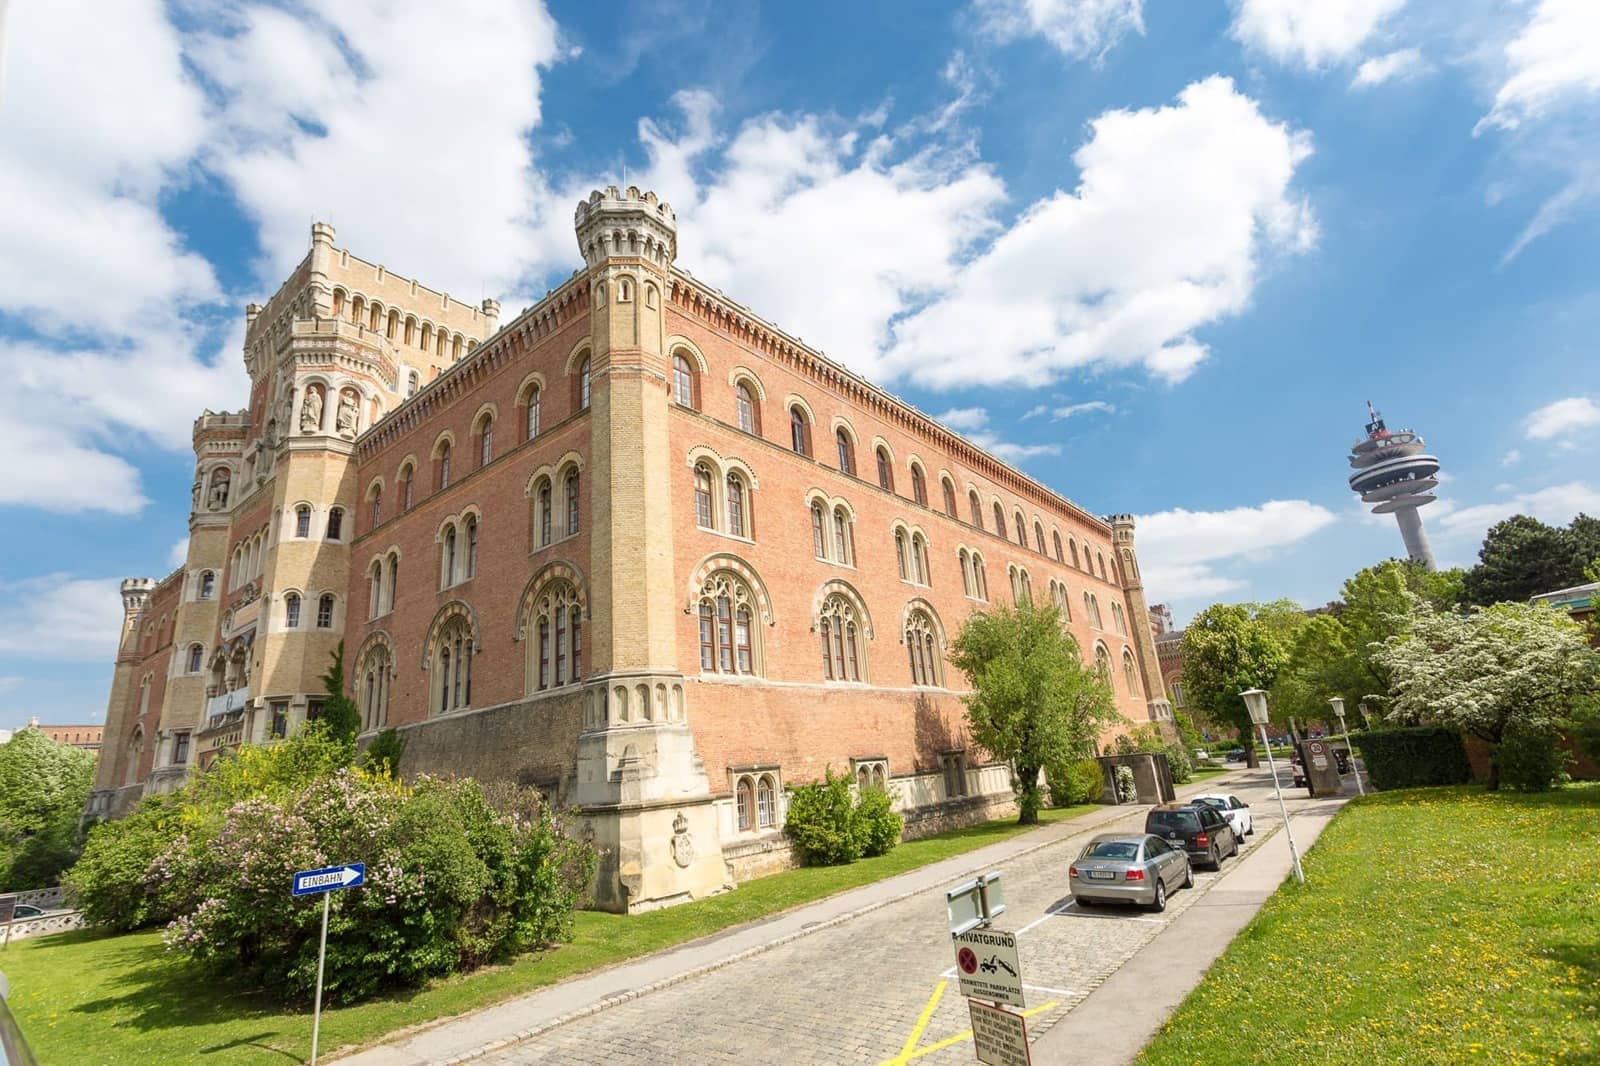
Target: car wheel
1216, 858
1160, 903
1080, 901
1250, 828
1235, 850
1188, 876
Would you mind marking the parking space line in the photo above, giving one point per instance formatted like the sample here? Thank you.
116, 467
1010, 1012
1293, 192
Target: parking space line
966, 1034
1057, 991
917, 1031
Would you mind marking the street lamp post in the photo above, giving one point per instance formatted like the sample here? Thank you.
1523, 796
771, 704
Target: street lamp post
1256, 700
1338, 712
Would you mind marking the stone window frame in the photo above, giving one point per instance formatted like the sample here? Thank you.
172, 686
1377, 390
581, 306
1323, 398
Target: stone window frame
743, 658
953, 769
869, 771
749, 786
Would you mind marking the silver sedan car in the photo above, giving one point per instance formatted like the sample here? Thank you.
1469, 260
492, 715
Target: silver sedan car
1129, 868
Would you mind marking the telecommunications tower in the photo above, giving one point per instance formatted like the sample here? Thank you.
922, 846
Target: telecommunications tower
1395, 476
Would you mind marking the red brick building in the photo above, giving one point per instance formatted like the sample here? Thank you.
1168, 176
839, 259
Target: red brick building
639, 548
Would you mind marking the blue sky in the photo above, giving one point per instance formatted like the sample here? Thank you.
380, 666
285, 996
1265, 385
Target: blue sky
1156, 253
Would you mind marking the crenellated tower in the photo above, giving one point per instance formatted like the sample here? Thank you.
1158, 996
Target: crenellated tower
639, 778
112, 772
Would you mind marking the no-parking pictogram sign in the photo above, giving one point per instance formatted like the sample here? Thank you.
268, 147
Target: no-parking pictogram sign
967, 959
987, 959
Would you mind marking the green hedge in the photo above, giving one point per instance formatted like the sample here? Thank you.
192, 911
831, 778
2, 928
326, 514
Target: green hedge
1415, 757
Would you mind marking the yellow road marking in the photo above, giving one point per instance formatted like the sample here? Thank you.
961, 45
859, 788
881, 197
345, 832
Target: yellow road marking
916, 1033
967, 1034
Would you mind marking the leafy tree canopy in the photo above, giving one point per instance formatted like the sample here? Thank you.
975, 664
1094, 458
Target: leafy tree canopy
339, 712
1522, 557
1228, 648
43, 789
1034, 702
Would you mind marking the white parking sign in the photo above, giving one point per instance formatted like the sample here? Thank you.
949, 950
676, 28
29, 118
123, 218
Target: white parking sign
987, 965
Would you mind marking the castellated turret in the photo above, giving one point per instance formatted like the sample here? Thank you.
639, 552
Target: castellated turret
630, 223
135, 594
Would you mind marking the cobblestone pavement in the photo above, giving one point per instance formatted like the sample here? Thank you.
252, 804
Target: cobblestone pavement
854, 992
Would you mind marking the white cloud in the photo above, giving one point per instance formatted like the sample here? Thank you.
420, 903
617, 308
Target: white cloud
1164, 234
1186, 555
973, 423
1400, 64
1511, 458
1562, 417
1554, 60
179, 553
1555, 504
59, 617
1079, 29
1311, 33
1087, 407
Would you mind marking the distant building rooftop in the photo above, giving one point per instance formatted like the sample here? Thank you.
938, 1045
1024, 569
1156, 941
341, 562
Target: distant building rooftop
1575, 600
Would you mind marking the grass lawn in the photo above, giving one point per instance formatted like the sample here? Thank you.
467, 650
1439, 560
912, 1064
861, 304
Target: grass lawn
1200, 773
1437, 926
85, 999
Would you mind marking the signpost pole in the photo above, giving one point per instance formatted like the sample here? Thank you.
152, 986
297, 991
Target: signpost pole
1299, 874
322, 956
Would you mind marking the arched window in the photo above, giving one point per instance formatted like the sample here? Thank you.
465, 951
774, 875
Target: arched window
486, 440
394, 582
844, 541
1129, 673
375, 589
1102, 664
840, 632
444, 465
847, 451
583, 384
919, 486
1038, 537
949, 497
452, 659
737, 506
413, 381
682, 382
726, 614
702, 497
208, 584
980, 580
335, 523
977, 509
542, 513
966, 572
1101, 556
302, 521
901, 551
447, 559
922, 647
1016, 585
291, 611
374, 671
1117, 620
819, 533
999, 521
556, 651
197, 654
1055, 536
572, 502
472, 546
1073, 545
1022, 533
744, 403
766, 803
377, 507
534, 398
799, 430
1027, 586
885, 470
325, 611
407, 480
919, 559
745, 803
1091, 605
1062, 601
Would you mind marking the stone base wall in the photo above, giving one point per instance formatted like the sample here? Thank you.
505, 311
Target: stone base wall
108, 803
532, 743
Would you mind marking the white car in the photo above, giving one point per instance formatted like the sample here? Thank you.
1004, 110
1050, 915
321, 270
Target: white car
1234, 809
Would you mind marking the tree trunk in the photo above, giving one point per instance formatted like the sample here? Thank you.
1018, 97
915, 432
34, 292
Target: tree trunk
1028, 796
1493, 783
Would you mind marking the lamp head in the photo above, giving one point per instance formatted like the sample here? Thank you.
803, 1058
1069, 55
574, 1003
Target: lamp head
1255, 700
1338, 706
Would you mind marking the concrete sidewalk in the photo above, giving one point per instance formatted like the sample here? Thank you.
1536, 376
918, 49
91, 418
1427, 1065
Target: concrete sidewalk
1123, 1015
479, 1032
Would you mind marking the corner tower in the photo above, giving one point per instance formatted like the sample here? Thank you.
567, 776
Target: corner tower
112, 773
639, 780
1160, 708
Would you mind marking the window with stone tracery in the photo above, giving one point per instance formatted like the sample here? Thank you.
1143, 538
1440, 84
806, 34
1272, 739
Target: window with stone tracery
726, 616
1129, 672
555, 629
452, 662
839, 629
1102, 664
374, 671
922, 647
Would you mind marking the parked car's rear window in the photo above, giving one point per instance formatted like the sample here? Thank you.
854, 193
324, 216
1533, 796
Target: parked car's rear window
1181, 820
1111, 849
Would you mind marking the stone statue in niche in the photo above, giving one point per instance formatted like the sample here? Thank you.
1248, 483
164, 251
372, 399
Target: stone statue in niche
194, 496
346, 417
311, 411
218, 497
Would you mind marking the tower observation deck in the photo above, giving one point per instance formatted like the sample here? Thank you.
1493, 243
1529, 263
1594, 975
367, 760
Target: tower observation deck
1393, 474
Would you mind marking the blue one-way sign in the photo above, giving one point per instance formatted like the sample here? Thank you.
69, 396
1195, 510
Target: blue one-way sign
329, 878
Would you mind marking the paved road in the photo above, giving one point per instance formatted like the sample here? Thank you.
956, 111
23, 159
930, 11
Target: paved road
857, 992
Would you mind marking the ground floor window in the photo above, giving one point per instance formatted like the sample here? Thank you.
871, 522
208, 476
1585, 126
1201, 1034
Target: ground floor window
755, 800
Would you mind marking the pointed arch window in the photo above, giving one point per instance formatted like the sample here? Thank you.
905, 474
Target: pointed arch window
1073, 545
291, 611
922, 648
377, 507
472, 548
1118, 622
901, 553
737, 506
325, 611
374, 672
1038, 537
1129, 672
486, 441
966, 572
1022, 533
375, 589
847, 451
535, 396
447, 560
726, 615
683, 382
702, 497
302, 521
557, 648
744, 403
452, 658
977, 509
583, 384
572, 502
799, 430
744, 802
840, 633
394, 582
819, 533
949, 498
844, 544
407, 479
1055, 536
999, 521
444, 465
919, 486
542, 513
885, 470
766, 803
1102, 664
980, 580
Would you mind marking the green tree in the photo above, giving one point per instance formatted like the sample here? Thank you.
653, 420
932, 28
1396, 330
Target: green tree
1522, 557
1509, 667
1034, 702
339, 712
44, 787
1229, 648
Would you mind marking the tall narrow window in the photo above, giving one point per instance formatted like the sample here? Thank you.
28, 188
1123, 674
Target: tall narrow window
980, 580
682, 382
302, 521
447, 565
745, 405
977, 509
999, 521
799, 431
1022, 533
949, 499
375, 590
377, 507
919, 486
544, 654
736, 524
583, 385
843, 545
900, 553
1038, 537
1055, 537
561, 647
413, 380
838, 627
335, 523
406, 481
196, 654
577, 642
325, 612
486, 442
708, 637
966, 571
922, 648
847, 452
533, 412
1130, 673
1072, 544
885, 470
819, 537
472, 547
745, 804
702, 497
572, 503
544, 513
444, 465
766, 804
291, 611
208, 585
726, 634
